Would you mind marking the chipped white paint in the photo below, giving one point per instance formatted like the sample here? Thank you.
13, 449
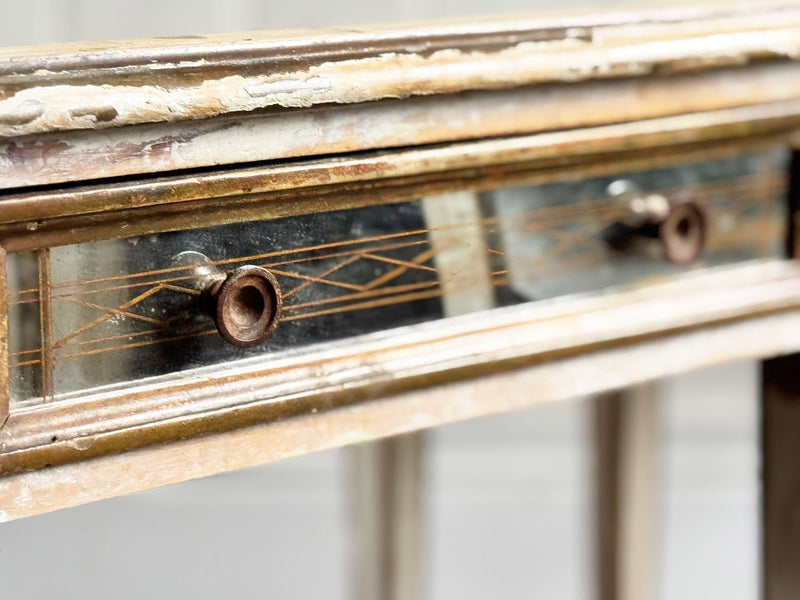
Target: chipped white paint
391, 75
326, 130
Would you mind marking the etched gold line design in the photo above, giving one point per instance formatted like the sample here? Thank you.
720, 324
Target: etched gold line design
585, 220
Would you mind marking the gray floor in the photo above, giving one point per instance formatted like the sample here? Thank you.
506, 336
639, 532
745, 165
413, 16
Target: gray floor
507, 502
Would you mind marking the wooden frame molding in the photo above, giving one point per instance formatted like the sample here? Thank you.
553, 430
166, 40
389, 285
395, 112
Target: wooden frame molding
248, 392
100, 86
69, 114
71, 484
277, 190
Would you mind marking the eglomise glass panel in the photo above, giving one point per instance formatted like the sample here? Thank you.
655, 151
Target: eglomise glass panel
106, 312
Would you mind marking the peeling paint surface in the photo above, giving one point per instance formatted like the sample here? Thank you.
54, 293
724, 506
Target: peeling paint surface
42, 107
89, 154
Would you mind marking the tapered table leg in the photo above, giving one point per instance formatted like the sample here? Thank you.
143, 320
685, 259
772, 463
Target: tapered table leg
780, 401
626, 470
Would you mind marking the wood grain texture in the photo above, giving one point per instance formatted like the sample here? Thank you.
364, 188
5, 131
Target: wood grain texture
715, 133
57, 157
96, 86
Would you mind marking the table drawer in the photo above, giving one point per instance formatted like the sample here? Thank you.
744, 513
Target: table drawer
106, 312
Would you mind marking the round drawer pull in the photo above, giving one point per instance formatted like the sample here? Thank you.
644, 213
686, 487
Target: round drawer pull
683, 233
680, 222
246, 305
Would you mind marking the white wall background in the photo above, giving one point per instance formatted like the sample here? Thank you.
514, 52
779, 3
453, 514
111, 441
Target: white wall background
44, 21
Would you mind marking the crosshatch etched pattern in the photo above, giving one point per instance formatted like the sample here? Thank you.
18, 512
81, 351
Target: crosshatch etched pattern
347, 269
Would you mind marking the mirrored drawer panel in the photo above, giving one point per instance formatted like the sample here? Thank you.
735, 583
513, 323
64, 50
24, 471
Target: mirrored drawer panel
111, 311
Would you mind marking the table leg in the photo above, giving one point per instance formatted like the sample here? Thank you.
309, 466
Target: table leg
626, 470
780, 444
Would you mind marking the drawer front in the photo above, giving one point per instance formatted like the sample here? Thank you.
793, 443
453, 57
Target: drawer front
97, 315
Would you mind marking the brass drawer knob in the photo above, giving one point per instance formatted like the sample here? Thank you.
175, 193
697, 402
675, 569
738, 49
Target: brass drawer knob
680, 222
245, 306
683, 232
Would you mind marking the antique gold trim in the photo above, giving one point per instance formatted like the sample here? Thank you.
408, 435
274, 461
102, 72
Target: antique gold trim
220, 398
345, 417
64, 216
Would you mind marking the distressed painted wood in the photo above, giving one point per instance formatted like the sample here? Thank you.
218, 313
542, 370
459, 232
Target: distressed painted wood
93, 86
218, 99
59, 157
543, 157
